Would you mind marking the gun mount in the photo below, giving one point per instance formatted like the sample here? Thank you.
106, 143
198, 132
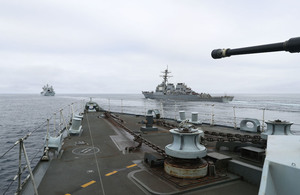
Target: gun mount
292, 45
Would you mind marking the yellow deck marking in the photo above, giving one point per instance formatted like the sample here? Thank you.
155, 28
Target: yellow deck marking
88, 183
67, 194
133, 165
111, 173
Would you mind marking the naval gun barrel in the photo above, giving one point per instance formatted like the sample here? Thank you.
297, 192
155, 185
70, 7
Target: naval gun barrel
292, 45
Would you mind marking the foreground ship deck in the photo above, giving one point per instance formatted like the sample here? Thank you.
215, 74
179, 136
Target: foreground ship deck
96, 162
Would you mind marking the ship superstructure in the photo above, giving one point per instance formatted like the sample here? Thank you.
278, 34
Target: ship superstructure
48, 91
167, 90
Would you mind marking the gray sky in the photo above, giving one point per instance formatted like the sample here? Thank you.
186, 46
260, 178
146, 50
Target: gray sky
119, 46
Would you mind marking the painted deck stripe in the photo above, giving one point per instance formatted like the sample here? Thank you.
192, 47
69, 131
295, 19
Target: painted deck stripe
67, 194
111, 173
88, 183
133, 165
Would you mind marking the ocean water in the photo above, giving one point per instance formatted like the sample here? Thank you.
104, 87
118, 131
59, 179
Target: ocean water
22, 114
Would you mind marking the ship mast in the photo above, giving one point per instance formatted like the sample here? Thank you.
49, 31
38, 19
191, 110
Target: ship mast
165, 76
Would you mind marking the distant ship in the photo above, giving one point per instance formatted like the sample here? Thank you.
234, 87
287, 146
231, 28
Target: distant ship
182, 92
48, 91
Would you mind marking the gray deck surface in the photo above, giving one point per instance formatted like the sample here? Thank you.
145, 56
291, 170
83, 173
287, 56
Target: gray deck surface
112, 171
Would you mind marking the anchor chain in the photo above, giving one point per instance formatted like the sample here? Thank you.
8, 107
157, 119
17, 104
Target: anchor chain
228, 137
118, 122
212, 136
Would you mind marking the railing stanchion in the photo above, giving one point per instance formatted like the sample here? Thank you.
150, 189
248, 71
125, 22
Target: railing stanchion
263, 121
72, 111
212, 122
145, 106
64, 120
175, 114
162, 110
122, 106
20, 168
108, 104
55, 123
29, 167
45, 157
234, 118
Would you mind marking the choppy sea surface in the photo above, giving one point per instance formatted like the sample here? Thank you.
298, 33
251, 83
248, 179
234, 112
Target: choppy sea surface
22, 114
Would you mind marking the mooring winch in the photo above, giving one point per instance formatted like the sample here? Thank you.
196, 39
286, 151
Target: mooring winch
186, 153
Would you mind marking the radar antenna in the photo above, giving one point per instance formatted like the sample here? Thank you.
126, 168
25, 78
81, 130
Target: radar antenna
165, 76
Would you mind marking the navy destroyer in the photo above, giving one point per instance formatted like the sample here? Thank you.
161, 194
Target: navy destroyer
168, 91
48, 91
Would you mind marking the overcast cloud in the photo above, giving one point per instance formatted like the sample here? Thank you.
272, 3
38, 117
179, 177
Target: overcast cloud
119, 46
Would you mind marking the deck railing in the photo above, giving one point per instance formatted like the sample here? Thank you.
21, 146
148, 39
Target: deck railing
27, 167
209, 113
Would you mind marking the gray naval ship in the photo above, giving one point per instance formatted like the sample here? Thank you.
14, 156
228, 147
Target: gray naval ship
168, 91
105, 152
48, 91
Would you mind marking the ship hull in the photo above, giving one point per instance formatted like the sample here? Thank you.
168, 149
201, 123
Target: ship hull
183, 97
47, 93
